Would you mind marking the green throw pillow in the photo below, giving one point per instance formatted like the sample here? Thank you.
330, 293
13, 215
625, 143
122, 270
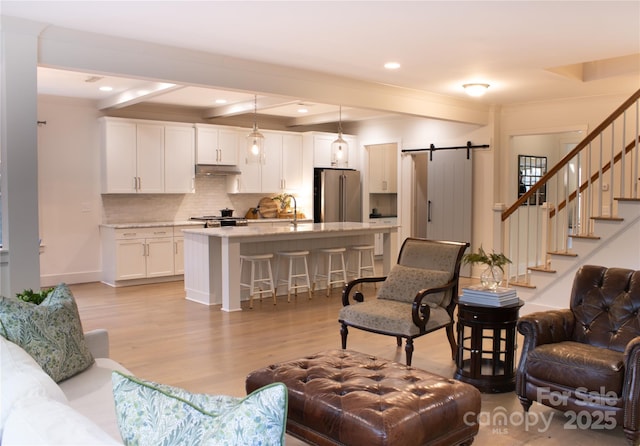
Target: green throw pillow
156, 414
404, 282
50, 332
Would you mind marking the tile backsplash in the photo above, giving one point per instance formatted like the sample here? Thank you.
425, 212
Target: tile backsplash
211, 196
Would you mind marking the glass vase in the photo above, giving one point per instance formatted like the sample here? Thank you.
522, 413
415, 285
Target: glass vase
491, 277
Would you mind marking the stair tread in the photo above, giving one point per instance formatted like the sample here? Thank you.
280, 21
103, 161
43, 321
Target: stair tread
605, 218
542, 269
563, 253
585, 236
522, 284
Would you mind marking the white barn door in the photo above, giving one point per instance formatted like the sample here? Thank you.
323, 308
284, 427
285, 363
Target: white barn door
449, 197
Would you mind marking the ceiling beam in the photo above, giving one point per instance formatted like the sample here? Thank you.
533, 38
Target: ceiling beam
95, 53
352, 114
137, 95
240, 108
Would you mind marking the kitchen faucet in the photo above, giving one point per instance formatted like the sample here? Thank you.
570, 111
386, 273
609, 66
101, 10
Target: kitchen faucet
295, 209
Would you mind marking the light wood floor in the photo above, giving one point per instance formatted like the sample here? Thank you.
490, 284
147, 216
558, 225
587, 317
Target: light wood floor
160, 336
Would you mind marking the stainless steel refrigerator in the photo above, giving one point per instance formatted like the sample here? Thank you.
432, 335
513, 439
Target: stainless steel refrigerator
337, 195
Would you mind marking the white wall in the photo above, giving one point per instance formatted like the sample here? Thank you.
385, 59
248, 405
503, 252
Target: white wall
69, 190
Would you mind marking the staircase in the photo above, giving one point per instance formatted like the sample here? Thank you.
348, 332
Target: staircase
584, 210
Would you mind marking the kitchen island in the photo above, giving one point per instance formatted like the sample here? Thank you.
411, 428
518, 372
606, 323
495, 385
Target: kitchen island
212, 255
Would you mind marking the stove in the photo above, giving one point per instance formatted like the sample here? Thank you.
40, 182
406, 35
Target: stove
216, 221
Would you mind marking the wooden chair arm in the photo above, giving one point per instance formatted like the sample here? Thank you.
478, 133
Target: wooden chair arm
420, 312
358, 297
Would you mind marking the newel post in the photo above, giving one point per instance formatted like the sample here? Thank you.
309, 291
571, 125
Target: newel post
498, 233
545, 223
498, 227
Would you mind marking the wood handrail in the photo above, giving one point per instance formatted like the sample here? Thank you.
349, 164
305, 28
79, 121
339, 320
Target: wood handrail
564, 161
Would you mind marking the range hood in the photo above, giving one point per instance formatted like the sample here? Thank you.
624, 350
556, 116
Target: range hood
216, 169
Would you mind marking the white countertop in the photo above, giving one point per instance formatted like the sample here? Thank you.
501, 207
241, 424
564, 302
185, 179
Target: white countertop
155, 224
278, 220
287, 230
159, 224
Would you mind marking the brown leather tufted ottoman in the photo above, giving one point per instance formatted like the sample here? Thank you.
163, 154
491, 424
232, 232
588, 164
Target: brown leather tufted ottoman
350, 398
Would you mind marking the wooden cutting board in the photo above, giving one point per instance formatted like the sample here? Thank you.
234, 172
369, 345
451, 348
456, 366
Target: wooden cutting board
268, 208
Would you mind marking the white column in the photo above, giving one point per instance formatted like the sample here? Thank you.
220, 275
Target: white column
18, 127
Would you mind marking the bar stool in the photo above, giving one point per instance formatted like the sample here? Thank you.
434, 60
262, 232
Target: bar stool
365, 263
293, 257
256, 283
330, 254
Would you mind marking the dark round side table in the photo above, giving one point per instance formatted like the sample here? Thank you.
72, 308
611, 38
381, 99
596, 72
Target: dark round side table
487, 346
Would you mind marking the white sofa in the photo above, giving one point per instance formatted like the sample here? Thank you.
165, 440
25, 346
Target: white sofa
77, 411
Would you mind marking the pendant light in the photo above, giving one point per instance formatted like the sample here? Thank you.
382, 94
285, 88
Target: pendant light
255, 139
339, 147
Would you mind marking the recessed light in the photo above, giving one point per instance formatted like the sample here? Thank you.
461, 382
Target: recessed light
303, 110
221, 101
392, 65
106, 88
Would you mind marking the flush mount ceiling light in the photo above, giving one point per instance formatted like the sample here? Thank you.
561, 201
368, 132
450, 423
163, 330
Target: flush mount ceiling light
392, 65
475, 89
339, 147
255, 139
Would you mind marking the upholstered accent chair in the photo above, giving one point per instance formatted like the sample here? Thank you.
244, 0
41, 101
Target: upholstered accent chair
587, 357
418, 295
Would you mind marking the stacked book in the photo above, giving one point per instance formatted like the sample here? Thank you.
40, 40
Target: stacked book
478, 295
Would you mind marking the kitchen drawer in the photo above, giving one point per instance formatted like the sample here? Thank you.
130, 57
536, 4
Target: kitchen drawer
150, 232
384, 221
177, 230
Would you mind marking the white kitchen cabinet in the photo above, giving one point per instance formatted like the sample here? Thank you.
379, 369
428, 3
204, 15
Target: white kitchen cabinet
118, 156
133, 255
132, 157
178, 248
179, 159
217, 145
292, 163
378, 247
321, 146
144, 253
282, 168
383, 169
146, 157
150, 158
249, 180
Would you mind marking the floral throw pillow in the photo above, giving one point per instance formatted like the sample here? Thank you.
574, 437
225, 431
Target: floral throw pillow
155, 414
50, 332
404, 282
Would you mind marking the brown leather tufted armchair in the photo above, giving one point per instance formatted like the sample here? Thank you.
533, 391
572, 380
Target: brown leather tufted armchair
587, 357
